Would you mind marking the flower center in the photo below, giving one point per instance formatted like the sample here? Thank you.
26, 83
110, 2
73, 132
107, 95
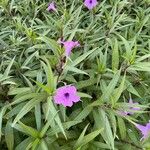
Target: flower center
90, 1
66, 95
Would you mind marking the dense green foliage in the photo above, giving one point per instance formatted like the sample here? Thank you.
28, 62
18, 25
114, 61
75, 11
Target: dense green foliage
111, 66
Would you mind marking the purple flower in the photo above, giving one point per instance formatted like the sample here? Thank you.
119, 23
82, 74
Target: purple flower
132, 108
90, 4
66, 95
52, 7
69, 45
122, 113
145, 130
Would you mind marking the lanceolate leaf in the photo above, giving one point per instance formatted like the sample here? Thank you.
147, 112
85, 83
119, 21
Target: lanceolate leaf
52, 112
32, 103
2, 112
89, 137
9, 136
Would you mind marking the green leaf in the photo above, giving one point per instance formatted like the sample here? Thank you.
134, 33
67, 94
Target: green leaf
89, 137
8, 68
32, 103
66, 125
100, 145
122, 128
49, 75
74, 69
2, 112
15, 91
44, 87
107, 132
84, 113
15, 110
141, 58
140, 66
81, 58
26, 62
113, 122
84, 95
24, 143
19, 99
115, 55
9, 136
43, 145
119, 90
52, 112
35, 144
127, 47
80, 139
38, 116
109, 90
27, 129
46, 126
133, 56
53, 45
86, 83
131, 89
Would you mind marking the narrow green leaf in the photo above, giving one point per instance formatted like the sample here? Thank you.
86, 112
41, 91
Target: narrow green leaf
115, 55
8, 68
107, 128
9, 136
100, 145
119, 90
29, 59
15, 91
53, 45
110, 88
84, 95
24, 143
52, 112
29, 130
26, 97
81, 58
43, 145
122, 128
35, 144
90, 137
66, 125
84, 113
80, 139
49, 74
2, 112
74, 69
32, 103
38, 116
46, 126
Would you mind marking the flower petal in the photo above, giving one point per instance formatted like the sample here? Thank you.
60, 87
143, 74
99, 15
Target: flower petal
74, 98
66, 95
90, 4
143, 130
58, 99
67, 102
52, 7
72, 89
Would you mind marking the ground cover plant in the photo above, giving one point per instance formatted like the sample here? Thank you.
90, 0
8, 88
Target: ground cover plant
74, 75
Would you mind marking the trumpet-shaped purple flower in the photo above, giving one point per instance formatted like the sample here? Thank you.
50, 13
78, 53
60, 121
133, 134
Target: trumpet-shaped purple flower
145, 130
90, 4
66, 95
132, 108
52, 7
122, 113
69, 45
